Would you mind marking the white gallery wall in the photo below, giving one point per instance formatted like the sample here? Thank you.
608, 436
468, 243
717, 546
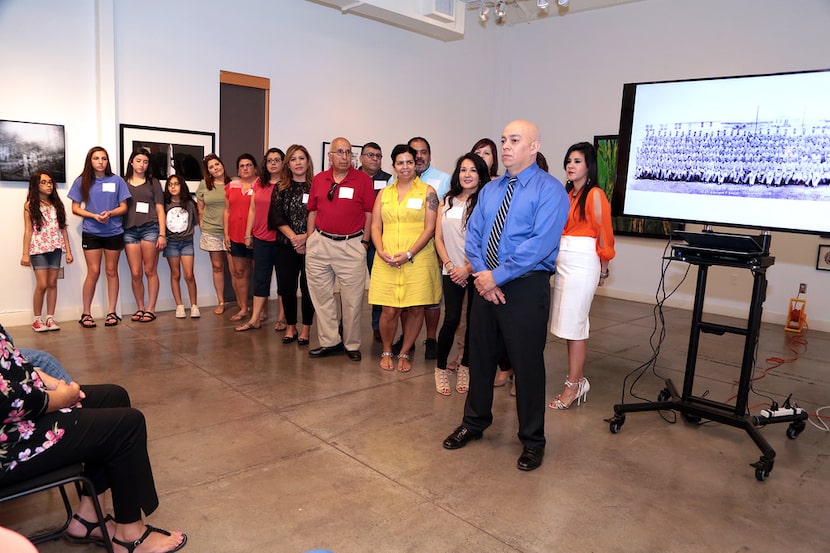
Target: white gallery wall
91, 65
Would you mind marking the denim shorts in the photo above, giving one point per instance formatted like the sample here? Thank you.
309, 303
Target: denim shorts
49, 260
179, 248
148, 232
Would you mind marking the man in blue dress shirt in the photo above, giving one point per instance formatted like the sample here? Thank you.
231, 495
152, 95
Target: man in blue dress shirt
510, 311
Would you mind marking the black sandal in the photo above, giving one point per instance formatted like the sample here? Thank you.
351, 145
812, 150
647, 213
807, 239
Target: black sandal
88, 537
130, 546
147, 317
112, 320
87, 321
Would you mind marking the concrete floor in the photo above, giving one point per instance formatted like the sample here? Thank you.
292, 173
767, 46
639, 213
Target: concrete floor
255, 447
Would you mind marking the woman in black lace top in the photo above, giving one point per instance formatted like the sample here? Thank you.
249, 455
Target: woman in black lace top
289, 216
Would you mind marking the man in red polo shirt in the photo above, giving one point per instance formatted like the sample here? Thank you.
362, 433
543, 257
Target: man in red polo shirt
339, 220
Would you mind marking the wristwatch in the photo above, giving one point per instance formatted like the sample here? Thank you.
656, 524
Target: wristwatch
409, 257
364, 242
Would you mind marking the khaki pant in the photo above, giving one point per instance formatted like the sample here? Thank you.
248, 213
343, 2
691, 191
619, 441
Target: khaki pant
342, 261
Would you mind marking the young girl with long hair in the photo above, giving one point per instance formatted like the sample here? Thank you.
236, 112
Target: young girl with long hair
100, 197
181, 218
44, 239
144, 233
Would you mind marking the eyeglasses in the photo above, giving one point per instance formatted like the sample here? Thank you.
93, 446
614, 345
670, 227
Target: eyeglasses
245, 165
341, 152
331, 192
275, 160
373, 156
47, 182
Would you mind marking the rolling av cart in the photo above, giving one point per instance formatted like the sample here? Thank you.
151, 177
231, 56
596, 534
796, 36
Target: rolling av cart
721, 250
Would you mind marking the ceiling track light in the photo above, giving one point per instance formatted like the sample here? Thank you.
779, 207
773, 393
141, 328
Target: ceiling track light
563, 3
542, 4
500, 10
483, 10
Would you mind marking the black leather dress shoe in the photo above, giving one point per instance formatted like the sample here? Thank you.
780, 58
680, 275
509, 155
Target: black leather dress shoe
354, 355
460, 437
325, 351
531, 458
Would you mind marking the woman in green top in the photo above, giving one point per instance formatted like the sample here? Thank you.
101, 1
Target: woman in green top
210, 199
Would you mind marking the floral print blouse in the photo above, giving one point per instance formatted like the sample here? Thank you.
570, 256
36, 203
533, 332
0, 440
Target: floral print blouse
50, 237
23, 399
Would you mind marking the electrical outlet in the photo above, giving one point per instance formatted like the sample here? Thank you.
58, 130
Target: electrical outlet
802, 288
60, 273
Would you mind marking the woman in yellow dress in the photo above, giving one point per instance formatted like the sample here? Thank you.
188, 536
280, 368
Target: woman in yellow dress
405, 275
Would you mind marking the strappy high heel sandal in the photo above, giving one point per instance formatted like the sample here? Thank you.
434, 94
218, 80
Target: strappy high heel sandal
582, 386
442, 381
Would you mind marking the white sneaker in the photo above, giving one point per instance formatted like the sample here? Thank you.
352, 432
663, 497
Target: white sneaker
38, 325
180, 314
51, 324
194, 312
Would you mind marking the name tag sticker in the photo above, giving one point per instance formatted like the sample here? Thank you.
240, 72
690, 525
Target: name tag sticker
305, 198
346, 193
380, 184
142, 207
414, 203
108, 186
455, 212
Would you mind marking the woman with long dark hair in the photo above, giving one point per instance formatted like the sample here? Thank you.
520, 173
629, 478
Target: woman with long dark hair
586, 247
289, 216
471, 173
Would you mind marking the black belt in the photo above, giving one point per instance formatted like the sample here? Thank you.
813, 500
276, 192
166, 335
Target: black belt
534, 273
340, 237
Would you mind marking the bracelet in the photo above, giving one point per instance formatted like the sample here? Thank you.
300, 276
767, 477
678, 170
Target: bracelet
451, 265
409, 257
365, 242
248, 237
604, 274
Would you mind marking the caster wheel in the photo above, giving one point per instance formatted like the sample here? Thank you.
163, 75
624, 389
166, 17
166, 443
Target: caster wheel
616, 423
794, 429
664, 395
692, 419
762, 469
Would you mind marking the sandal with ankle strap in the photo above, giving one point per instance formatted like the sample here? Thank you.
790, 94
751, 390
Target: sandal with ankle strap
582, 387
88, 537
87, 321
112, 320
131, 546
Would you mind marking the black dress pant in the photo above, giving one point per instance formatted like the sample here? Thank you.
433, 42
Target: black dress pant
453, 303
518, 327
292, 267
110, 438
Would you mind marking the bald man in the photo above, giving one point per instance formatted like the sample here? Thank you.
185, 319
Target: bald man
340, 206
510, 310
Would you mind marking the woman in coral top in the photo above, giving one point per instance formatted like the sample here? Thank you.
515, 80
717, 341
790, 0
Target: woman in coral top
586, 248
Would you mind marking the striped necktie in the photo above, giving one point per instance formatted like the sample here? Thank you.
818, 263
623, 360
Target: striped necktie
498, 226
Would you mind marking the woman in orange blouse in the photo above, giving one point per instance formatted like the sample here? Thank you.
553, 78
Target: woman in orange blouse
586, 248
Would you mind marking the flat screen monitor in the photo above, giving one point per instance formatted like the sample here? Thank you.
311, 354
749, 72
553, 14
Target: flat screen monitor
749, 151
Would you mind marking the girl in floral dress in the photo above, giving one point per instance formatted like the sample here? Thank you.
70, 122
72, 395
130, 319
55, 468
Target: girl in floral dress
44, 240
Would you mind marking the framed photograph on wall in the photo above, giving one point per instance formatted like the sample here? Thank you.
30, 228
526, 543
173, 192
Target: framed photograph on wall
823, 257
324, 164
28, 147
606, 147
170, 150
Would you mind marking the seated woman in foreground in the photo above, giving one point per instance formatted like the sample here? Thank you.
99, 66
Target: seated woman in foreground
44, 428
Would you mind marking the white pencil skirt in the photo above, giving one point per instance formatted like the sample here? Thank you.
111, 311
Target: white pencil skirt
576, 280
